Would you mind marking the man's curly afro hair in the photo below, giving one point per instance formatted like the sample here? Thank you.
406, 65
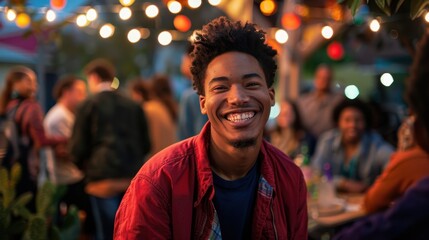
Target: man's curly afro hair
222, 35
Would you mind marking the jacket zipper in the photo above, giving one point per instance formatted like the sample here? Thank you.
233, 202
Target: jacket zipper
274, 224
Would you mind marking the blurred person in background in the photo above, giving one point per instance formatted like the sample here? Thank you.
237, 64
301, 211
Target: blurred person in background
191, 120
109, 143
19, 96
289, 135
160, 85
69, 91
355, 153
408, 216
316, 106
162, 127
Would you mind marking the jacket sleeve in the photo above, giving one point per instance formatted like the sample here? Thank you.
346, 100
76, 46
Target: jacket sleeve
80, 141
143, 212
302, 226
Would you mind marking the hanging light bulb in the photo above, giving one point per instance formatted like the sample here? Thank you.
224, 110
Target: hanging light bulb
194, 3
22, 20
327, 32
81, 20
134, 35
50, 15
374, 25
91, 14
58, 4
107, 30
214, 2
126, 3
165, 38
10, 14
125, 13
174, 6
152, 11
427, 17
281, 36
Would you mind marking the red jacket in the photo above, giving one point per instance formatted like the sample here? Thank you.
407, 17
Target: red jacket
171, 196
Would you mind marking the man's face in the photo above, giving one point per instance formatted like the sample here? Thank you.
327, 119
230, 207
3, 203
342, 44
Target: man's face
26, 87
322, 79
93, 81
77, 93
237, 99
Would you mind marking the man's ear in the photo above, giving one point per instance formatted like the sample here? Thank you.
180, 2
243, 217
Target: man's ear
272, 94
203, 104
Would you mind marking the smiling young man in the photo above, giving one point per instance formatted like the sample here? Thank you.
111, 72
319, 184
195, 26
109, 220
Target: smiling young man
227, 182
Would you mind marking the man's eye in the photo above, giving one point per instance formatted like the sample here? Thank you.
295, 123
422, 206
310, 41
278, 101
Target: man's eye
219, 88
252, 84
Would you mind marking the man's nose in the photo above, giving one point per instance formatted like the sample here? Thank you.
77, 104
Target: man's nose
237, 95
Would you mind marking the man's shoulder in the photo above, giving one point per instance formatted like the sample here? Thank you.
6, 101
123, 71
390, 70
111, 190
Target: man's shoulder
172, 161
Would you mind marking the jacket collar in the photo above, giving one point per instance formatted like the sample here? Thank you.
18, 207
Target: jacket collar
204, 172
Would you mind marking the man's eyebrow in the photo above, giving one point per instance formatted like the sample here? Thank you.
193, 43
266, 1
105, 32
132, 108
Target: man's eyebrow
251, 75
218, 79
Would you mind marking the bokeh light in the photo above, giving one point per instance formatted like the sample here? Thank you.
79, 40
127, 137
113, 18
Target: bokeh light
386, 79
134, 35
107, 30
427, 17
290, 21
351, 92
327, 32
335, 51
11, 15
81, 20
58, 4
281, 36
268, 7
182, 23
152, 11
165, 38
126, 3
125, 13
215, 2
91, 14
50, 15
174, 7
23, 20
194, 3
374, 25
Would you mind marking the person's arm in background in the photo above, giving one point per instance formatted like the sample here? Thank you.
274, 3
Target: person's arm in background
144, 129
80, 141
407, 219
33, 121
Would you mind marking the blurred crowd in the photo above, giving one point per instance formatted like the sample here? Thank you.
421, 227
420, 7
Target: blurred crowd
95, 143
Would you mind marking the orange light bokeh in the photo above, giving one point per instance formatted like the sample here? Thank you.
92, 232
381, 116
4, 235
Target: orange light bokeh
268, 7
182, 23
291, 21
22, 20
58, 4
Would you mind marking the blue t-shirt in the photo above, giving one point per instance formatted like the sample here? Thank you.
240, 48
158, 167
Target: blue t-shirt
234, 202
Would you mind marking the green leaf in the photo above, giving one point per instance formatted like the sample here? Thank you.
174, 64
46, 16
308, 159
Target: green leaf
382, 4
417, 8
15, 174
44, 198
37, 229
354, 5
22, 211
400, 2
24, 199
4, 179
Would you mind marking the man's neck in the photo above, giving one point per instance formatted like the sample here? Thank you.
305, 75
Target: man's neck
67, 106
233, 163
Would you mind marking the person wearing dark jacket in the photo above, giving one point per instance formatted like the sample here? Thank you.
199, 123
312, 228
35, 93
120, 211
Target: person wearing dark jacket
109, 143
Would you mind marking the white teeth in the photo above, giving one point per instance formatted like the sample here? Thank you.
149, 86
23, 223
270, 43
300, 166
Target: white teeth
237, 117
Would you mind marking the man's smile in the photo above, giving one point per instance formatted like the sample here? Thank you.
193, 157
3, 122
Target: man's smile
239, 117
